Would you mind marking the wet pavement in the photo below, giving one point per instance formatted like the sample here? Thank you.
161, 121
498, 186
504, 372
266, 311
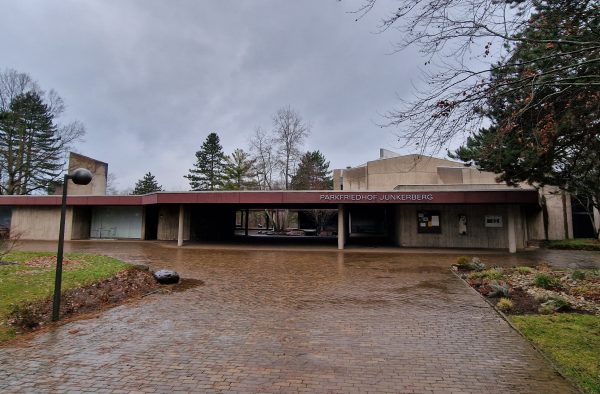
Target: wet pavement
288, 320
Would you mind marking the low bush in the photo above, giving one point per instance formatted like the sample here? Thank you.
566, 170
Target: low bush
578, 275
499, 289
463, 261
491, 274
553, 305
504, 304
467, 263
476, 264
545, 281
524, 270
560, 303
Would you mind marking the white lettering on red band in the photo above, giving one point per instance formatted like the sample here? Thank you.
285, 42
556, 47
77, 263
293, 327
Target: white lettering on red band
377, 197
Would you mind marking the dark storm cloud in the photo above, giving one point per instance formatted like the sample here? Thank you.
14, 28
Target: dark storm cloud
150, 79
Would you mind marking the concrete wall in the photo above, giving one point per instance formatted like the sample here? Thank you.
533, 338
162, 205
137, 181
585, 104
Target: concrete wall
535, 225
478, 236
559, 213
355, 178
82, 219
39, 223
472, 176
387, 173
450, 175
338, 179
99, 169
168, 223
411, 172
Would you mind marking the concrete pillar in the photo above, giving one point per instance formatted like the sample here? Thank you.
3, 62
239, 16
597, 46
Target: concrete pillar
512, 230
246, 222
341, 235
180, 229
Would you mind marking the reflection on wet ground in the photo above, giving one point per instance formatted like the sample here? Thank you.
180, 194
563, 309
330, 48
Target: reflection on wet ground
288, 320
416, 259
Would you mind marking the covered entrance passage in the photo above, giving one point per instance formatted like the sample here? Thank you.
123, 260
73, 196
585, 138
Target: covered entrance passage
484, 219
494, 218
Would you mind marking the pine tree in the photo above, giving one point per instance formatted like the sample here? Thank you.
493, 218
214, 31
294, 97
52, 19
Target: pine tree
147, 184
545, 133
313, 173
208, 171
239, 171
31, 150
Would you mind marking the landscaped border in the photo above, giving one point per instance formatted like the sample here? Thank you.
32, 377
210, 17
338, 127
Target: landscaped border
556, 365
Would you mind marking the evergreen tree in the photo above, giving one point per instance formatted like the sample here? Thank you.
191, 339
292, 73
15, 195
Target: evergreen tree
31, 149
547, 132
147, 184
313, 173
239, 171
208, 171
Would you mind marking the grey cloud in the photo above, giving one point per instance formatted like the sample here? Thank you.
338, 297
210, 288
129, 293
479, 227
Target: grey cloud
150, 79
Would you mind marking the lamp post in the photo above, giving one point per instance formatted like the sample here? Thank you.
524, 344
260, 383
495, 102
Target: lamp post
80, 176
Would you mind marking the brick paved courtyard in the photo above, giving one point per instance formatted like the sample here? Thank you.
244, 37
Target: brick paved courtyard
271, 321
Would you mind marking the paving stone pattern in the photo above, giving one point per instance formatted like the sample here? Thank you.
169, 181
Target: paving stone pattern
288, 322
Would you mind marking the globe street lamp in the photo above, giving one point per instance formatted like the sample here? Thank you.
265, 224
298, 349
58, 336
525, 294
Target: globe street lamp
80, 176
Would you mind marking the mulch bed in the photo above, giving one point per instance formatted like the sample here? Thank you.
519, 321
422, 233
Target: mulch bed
523, 302
524, 295
124, 286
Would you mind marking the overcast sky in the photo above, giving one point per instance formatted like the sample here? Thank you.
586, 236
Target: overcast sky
151, 79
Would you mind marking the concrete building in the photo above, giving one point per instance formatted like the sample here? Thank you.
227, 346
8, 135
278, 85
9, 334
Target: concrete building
409, 201
553, 220
97, 187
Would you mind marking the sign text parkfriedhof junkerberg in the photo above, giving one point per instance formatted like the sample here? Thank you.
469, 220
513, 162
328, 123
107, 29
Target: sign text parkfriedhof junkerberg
386, 197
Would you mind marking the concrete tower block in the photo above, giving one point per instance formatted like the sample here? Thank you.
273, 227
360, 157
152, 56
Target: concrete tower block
99, 169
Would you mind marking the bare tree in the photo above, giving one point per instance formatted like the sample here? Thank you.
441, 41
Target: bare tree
19, 173
13, 84
289, 133
70, 133
112, 183
464, 41
321, 217
266, 165
8, 241
263, 154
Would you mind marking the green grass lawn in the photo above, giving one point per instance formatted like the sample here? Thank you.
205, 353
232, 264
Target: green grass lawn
575, 244
571, 340
20, 283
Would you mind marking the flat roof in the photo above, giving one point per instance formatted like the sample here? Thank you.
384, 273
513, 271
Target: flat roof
287, 197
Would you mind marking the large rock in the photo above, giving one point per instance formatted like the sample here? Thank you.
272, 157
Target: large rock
166, 277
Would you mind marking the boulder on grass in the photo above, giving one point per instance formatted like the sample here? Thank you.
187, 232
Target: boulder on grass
166, 277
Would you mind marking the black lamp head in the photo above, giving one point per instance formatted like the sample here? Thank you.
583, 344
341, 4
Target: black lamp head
81, 176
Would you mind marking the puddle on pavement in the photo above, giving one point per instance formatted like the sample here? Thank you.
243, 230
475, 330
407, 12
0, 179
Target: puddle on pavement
189, 262
436, 285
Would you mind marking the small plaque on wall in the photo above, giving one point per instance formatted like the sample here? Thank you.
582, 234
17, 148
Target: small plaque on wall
493, 221
462, 224
429, 222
